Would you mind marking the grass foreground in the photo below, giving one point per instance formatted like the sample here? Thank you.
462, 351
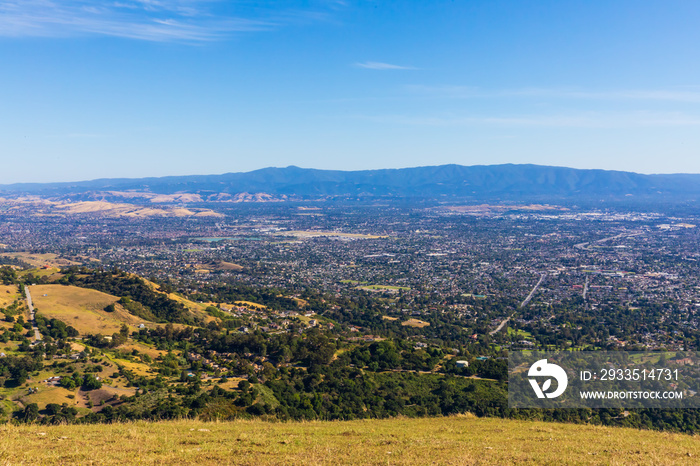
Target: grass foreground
452, 440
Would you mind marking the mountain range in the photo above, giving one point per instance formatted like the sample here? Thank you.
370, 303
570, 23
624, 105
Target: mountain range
507, 181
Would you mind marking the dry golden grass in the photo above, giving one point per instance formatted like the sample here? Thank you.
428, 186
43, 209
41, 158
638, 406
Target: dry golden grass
300, 302
40, 260
389, 318
111, 209
251, 305
135, 367
223, 265
81, 308
415, 323
449, 441
8, 295
49, 273
46, 395
143, 349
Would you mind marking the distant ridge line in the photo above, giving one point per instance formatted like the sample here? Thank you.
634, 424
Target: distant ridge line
502, 181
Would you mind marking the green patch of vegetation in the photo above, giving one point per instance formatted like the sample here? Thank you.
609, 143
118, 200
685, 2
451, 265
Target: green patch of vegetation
519, 333
384, 287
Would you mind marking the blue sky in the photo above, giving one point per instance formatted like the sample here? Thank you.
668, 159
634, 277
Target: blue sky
133, 88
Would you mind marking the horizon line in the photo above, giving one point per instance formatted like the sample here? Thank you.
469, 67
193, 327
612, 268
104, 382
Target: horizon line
160, 177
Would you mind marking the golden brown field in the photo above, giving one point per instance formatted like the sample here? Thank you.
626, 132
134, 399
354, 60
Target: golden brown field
415, 323
81, 308
40, 260
8, 295
461, 440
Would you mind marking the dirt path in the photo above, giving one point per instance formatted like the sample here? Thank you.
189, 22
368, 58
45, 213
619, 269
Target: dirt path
32, 317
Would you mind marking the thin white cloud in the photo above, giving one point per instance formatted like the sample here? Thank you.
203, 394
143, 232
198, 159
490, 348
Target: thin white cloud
470, 92
585, 120
150, 20
374, 65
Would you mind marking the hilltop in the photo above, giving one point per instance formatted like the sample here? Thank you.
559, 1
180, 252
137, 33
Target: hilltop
462, 440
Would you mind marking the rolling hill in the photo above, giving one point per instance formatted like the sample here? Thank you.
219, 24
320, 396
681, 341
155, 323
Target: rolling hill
482, 181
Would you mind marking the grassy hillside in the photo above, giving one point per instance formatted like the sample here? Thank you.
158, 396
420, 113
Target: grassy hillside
454, 440
81, 308
8, 295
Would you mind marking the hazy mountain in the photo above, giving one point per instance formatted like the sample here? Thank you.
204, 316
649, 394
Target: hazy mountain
501, 181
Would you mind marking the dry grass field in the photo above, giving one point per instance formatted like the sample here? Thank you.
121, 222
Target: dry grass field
44, 207
40, 260
8, 295
383, 288
251, 305
135, 367
415, 323
110, 209
459, 440
81, 308
45, 394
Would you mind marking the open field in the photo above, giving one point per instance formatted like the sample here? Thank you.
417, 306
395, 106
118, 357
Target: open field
519, 333
59, 395
383, 288
415, 323
143, 349
462, 440
8, 295
45, 207
49, 273
81, 308
221, 265
110, 209
135, 367
40, 260
251, 305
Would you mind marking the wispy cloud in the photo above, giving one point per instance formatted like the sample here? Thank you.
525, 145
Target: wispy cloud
468, 92
582, 120
374, 65
151, 20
